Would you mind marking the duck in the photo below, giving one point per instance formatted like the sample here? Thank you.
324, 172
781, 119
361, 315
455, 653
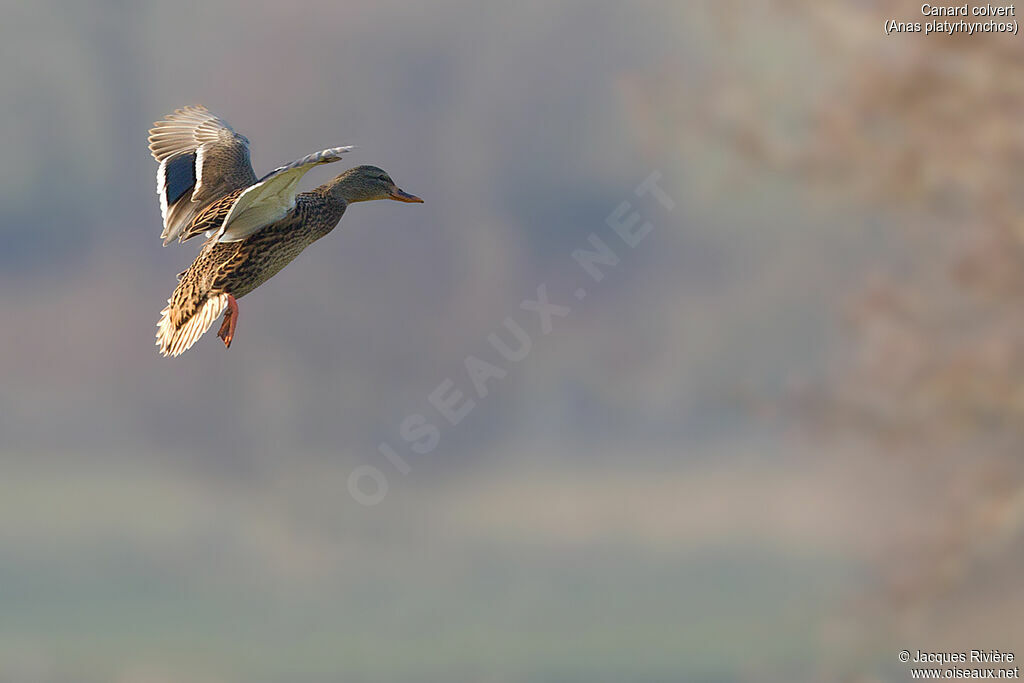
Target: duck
253, 226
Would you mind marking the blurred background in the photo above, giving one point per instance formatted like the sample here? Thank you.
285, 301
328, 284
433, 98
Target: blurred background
779, 441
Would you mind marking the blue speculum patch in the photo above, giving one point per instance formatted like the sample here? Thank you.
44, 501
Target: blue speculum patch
179, 176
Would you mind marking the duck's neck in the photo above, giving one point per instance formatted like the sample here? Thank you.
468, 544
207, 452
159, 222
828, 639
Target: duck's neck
328, 205
342, 190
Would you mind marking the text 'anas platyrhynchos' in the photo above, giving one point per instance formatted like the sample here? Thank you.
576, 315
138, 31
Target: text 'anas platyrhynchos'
254, 227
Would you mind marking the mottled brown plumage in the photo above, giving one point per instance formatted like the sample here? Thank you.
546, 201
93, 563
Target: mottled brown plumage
212, 216
253, 232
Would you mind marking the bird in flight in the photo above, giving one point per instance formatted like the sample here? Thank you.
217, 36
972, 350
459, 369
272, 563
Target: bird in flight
253, 227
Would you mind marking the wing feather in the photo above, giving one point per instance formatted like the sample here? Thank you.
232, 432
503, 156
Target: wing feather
270, 200
217, 159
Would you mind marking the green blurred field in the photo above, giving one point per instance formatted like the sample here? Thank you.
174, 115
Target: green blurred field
145, 574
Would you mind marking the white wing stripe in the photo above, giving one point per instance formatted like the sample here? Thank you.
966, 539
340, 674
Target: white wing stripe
199, 170
161, 188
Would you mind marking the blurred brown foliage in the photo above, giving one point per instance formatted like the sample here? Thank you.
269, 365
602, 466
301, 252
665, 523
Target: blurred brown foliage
923, 135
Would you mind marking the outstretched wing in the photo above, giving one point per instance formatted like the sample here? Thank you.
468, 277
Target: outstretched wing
270, 200
201, 159
210, 219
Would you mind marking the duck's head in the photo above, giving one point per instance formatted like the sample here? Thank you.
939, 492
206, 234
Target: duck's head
367, 183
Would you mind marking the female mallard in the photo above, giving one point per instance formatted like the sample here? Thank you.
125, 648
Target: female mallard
254, 228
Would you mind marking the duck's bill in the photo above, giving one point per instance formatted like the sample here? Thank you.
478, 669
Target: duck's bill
403, 196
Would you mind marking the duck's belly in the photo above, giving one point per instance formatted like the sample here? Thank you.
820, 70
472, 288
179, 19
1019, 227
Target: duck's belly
237, 268
264, 263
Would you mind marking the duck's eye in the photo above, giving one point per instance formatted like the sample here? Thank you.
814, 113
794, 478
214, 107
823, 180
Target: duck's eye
384, 179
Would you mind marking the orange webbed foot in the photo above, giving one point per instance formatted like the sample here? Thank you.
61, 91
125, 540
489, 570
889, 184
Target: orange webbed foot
227, 328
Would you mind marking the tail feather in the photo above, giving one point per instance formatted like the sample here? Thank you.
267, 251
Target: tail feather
175, 340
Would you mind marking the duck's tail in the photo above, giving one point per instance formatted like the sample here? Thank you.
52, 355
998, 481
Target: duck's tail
185, 320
